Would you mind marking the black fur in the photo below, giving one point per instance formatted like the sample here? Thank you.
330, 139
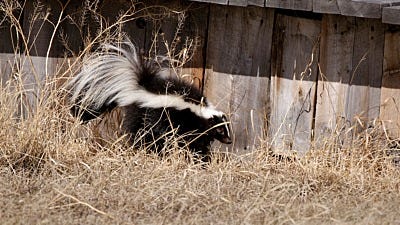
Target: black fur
194, 132
153, 127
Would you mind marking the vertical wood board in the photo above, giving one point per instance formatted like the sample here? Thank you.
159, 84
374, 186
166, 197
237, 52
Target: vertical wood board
247, 106
336, 64
27, 76
72, 29
366, 78
351, 70
238, 68
7, 64
294, 73
196, 27
39, 27
8, 36
183, 31
135, 29
390, 93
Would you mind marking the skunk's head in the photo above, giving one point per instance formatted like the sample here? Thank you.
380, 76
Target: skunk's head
220, 128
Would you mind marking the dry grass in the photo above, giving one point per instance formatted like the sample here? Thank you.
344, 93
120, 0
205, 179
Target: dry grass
52, 177
54, 170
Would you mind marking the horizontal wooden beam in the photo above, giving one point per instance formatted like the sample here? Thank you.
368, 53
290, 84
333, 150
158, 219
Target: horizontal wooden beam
238, 2
364, 8
391, 15
257, 2
329, 7
305, 5
221, 2
357, 8
388, 10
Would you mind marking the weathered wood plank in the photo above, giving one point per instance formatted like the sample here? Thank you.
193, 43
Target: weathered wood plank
391, 15
8, 35
351, 70
305, 5
73, 29
238, 68
40, 33
364, 92
257, 2
135, 29
358, 8
7, 63
293, 79
29, 76
330, 7
196, 27
390, 92
246, 103
238, 2
181, 35
364, 8
336, 63
221, 2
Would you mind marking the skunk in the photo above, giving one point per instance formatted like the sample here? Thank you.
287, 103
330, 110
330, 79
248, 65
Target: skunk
155, 106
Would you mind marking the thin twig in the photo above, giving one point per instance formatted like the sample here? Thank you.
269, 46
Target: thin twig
84, 203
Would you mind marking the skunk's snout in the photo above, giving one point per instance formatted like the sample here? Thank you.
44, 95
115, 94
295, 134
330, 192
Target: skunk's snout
227, 140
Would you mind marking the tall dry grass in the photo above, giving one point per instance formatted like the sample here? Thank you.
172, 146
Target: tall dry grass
54, 170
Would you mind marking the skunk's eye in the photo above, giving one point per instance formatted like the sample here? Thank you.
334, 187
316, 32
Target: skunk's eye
220, 130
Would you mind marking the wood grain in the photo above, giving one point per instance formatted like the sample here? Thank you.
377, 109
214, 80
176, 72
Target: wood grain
330, 7
294, 74
336, 64
364, 92
305, 5
257, 2
390, 95
39, 31
196, 28
385, 9
238, 68
8, 36
350, 75
364, 8
180, 34
391, 15
222, 2
238, 2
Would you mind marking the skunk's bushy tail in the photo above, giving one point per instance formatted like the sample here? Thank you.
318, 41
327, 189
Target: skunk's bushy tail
107, 79
116, 75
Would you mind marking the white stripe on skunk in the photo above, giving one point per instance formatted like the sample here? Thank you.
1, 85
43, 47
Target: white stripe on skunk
112, 76
116, 76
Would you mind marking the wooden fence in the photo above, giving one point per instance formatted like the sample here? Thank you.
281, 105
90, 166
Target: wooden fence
289, 72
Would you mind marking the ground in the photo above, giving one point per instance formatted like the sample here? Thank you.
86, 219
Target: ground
124, 186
